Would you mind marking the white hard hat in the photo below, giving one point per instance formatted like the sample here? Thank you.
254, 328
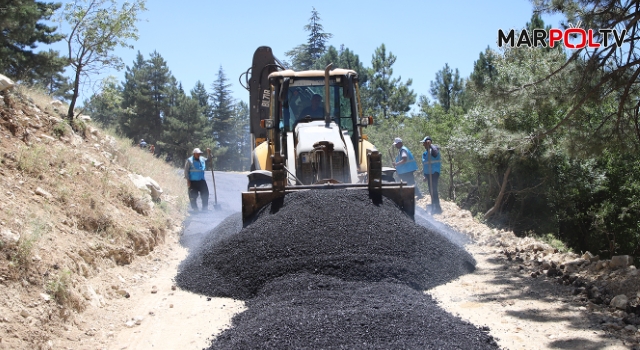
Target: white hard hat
397, 140
197, 150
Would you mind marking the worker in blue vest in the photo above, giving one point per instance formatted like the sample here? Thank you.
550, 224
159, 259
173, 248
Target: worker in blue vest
194, 173
431, 171
406, 165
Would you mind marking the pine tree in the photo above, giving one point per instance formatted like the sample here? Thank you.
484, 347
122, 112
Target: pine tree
161, 82
304, 56
344, 58
200, 94
49, 76
316, 44
185, 128
242, 137
147, 97
222, 104
484, 69
388, 96
22, 28
447, 88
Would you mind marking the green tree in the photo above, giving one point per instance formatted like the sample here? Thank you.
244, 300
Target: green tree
222, 104
51, 79
304, 56
22, 29
484, 70
105, 107
388, 97
344, 58
148, 95
448, 88
242, 138
200, 94
611, 71
185, 128
316, 43
97, 28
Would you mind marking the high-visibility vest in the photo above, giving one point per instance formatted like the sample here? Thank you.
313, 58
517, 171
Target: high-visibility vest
407, 167
435, 162
196, 168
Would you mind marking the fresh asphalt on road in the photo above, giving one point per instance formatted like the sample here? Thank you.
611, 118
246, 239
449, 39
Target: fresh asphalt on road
305, 282
228, 189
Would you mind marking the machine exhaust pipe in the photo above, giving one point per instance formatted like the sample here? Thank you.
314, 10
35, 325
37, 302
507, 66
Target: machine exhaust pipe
327, 113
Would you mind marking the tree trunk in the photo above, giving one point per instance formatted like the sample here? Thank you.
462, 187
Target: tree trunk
76, 92
498, 203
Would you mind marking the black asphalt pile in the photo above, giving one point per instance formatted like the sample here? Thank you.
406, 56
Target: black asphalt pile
304, 311
332, 270
197, 277
338, 233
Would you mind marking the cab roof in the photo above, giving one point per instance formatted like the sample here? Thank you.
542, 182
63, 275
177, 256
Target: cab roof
288, 73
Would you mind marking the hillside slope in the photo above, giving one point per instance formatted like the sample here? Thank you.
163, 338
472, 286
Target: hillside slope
70, 211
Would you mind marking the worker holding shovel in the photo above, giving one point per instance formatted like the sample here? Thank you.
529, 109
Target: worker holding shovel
194, 173
431, 171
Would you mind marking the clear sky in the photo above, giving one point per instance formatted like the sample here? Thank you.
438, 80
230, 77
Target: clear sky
197, 37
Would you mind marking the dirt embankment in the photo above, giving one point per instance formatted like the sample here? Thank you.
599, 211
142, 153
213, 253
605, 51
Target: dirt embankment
534, 296
75, 204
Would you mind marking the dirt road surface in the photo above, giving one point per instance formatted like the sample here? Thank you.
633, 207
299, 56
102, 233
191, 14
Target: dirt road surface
170, 318
522, 312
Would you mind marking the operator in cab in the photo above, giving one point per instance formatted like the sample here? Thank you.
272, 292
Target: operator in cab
315, 111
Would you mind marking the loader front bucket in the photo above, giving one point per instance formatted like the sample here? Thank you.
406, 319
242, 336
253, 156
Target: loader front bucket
256, 198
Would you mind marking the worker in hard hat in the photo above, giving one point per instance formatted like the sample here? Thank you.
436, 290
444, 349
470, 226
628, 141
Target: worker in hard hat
194, 173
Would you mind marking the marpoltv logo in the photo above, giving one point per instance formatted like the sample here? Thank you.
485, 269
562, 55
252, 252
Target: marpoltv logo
573, 37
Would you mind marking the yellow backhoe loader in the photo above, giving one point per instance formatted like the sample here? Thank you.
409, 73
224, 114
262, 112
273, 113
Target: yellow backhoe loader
306, 133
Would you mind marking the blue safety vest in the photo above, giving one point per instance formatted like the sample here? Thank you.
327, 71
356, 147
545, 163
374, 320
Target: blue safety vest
407, 167
196, 168
435, 162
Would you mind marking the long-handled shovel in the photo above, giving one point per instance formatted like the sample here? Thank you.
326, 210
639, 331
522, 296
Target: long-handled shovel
430, 179
390, 156
216, 206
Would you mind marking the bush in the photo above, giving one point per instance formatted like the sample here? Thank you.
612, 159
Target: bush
61, 128
58, 287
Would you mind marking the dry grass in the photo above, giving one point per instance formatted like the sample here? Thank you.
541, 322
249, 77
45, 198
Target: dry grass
141, 162
39, 97
33, 159
89, 195
37, 228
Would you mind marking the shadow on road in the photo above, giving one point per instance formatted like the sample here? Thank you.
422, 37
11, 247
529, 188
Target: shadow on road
525, 301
